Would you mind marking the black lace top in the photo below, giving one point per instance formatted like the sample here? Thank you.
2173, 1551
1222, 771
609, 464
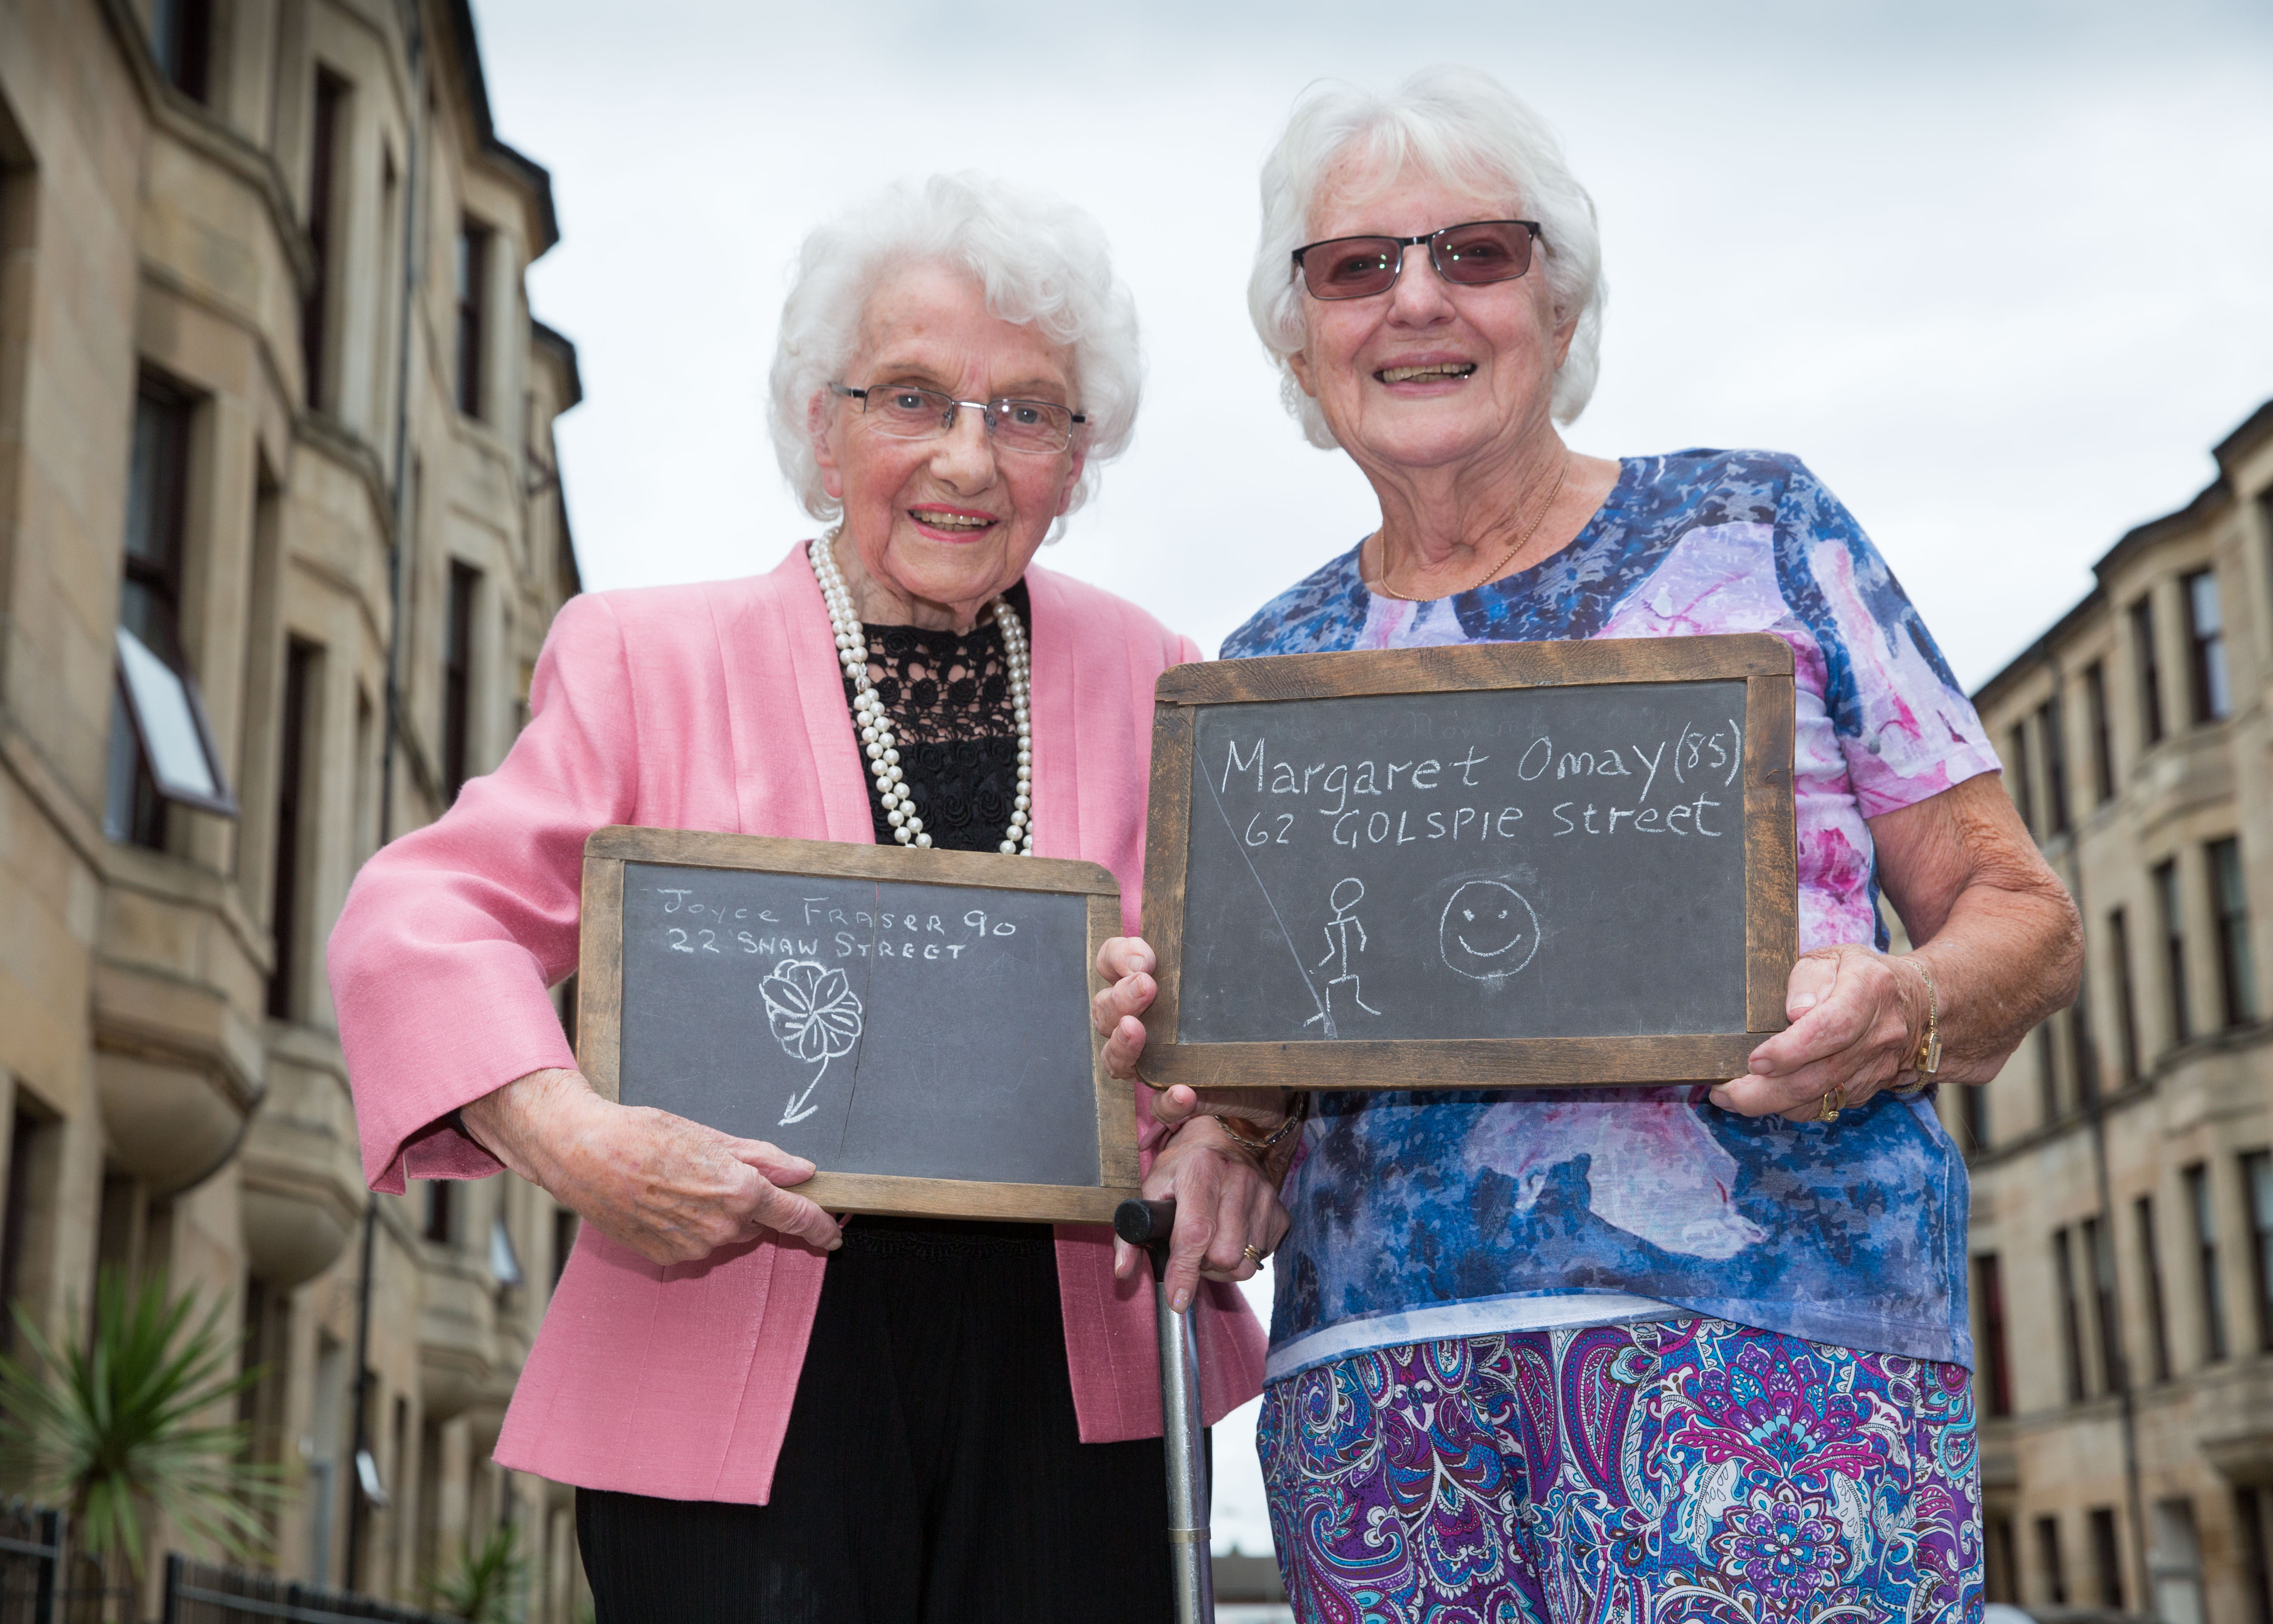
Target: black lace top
949, 696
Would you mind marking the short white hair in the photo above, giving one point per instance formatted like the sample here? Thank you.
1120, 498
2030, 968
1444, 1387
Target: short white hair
1465, 129
1039, 260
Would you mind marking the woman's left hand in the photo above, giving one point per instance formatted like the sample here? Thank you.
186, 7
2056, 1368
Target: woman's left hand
1993, 926
1855, 1019
1228, 1218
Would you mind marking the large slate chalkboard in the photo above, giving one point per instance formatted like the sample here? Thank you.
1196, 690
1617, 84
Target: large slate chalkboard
922, 1036
1479, 864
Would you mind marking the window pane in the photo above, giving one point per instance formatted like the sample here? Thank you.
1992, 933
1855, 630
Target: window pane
2126, 1007
286, 909
2103, 747
2048, 1560
2047, 1075
2150, 679
149, 481
324, 152
2174, 949
2150, 1259
2201, 599
472, 290
2213, 1294
1996, 1372
505, 1262
156, 478
2016, 774
2107, 1306
2052, 728
458, 680
2071, 1315
132, 810
2175, 1557
171, 740
2213, 693
2257, 1179
2106, 1558
181, 37
2230, 897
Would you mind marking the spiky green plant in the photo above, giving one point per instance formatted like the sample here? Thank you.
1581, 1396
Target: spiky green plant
485, 1585
109, 1426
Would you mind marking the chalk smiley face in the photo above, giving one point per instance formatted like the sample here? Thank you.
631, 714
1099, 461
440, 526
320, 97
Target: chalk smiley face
1489, 932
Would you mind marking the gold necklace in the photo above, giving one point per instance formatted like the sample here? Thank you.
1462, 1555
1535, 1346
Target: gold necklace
1383, 587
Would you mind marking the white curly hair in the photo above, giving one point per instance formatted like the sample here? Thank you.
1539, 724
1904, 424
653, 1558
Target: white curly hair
1040, 261
1459, 126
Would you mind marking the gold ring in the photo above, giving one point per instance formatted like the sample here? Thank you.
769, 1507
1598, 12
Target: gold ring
1250, 1254
1828, 1112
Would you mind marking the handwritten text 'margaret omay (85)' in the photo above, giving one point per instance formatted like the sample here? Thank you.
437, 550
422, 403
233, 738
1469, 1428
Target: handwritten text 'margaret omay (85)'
1429, 798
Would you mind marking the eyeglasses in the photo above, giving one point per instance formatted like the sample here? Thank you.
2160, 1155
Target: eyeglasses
907, 412
1357, 267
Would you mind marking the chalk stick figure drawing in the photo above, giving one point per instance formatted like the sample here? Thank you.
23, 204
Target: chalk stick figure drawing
1346, 896
1489, 932
814, 1015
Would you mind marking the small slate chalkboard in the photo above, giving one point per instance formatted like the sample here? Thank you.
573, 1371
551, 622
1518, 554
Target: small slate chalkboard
1490, 865
916, 1022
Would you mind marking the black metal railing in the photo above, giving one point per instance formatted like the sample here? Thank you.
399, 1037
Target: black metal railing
31, 1562
201, 1593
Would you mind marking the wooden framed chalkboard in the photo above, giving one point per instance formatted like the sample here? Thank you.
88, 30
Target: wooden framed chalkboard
917, 1022
1489, 866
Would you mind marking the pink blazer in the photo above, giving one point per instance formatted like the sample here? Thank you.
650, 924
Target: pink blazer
714, 707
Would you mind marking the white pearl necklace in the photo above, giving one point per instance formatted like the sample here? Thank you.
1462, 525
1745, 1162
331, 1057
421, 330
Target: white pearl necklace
877, 739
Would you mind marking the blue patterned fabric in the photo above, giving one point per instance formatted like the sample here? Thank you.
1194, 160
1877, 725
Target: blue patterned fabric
1694, 1472
1419, 1216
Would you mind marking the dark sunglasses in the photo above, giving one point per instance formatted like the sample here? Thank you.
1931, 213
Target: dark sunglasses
1357, 267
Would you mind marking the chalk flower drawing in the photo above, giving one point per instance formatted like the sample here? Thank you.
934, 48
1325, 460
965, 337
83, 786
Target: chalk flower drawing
814, 1015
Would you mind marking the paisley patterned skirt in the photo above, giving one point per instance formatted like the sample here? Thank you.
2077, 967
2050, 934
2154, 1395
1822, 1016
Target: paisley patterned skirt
1675, 1473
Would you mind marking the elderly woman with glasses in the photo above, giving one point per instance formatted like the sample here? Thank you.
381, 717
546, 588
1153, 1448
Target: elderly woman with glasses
771, 1415
1658, 1353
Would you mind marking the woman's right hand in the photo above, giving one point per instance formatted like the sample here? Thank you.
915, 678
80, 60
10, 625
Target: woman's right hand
1125, 964
672, 1190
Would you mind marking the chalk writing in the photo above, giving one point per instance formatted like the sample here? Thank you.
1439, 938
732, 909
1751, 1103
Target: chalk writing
1487, 933
820, 1021
815, 1015
1347, 896
1575, 839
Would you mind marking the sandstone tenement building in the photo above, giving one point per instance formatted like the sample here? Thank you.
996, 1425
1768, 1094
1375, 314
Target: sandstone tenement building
2122, 1162
275, 425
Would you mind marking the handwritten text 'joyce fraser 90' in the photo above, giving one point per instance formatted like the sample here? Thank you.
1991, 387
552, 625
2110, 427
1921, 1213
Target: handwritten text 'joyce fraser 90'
1479, 797
819, 927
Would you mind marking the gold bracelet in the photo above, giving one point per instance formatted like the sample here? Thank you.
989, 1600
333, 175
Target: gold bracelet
1927, 1061
1293, 1120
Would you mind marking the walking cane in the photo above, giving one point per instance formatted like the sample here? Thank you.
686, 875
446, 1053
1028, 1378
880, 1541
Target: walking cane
1148, 1224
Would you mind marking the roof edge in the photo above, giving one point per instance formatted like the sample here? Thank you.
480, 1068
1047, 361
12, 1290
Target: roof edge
2040, 651
2251, 431
516, 164
560, 344
2139, 537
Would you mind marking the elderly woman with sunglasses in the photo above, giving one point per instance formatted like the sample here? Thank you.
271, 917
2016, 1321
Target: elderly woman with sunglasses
1636, 1354
770, 1415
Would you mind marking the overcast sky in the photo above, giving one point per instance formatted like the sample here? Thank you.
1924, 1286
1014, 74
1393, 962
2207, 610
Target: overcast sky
2001, 273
